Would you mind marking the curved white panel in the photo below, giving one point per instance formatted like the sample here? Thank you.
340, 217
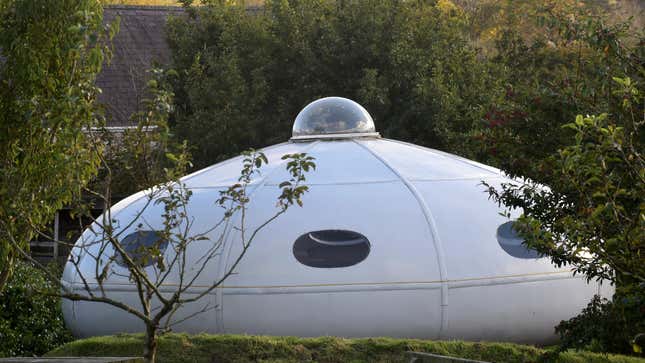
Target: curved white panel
398, 196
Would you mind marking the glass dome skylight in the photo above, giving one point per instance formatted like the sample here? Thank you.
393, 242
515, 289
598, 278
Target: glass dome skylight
333, 117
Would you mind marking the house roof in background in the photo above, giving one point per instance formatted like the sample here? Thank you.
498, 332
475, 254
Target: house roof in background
140, 42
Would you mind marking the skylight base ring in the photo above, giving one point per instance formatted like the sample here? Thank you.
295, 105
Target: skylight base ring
335, 136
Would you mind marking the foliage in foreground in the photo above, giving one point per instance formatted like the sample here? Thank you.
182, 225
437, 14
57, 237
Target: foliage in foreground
592, 218
605, 326
591, 214
144, 156
30, 322
51, 53
565, 68
242, 348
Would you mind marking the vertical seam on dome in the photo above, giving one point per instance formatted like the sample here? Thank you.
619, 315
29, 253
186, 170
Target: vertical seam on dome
443, 273
219, 317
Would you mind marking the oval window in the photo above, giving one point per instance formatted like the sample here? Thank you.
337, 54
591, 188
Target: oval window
331, 248
511, 242
144, 247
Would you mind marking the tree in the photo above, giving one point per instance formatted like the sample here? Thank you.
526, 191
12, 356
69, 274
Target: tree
50, 53
593, 219
244, 75
591, 167
582, 190
152, 258
148, 267
591, 216
565, 67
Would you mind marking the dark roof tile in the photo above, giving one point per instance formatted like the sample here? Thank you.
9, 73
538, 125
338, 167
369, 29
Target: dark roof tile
139, 43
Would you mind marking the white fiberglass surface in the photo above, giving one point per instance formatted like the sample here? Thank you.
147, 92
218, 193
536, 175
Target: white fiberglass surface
387, 215
227, 172
393, 290
467, 222
86, 320
416, 163
93, 319
340, 162
142, 215
273, 293
520, 312
412, 314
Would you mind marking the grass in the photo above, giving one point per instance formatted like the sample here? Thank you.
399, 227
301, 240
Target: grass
243, 348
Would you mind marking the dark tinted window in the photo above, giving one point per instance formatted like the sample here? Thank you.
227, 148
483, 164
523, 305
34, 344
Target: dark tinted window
511, 242
144, 247
331, 248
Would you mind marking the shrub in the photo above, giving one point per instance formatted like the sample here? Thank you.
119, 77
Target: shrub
591, 215
567, 68
30, 323
244, 76
605, 326
51, 53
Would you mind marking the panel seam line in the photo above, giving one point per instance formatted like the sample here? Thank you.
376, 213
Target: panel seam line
224, 257
443, 273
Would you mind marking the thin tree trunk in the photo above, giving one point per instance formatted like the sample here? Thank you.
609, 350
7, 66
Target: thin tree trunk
150, 349
5, 272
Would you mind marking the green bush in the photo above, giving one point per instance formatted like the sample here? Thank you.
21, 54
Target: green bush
567, 67
605, 326
593, 166
244, 76
30, 323
52, 51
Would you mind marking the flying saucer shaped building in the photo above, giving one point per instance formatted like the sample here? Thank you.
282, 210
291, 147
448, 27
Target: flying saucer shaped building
393, 239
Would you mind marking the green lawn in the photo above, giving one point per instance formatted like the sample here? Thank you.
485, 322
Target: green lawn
242, 348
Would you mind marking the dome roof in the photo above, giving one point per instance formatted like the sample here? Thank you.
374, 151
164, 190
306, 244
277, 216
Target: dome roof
394, 193
361, 160
384, 224
333, 117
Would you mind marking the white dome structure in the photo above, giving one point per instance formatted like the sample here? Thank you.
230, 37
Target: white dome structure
393, 240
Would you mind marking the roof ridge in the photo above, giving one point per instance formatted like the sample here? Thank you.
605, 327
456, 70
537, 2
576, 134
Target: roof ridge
432, 227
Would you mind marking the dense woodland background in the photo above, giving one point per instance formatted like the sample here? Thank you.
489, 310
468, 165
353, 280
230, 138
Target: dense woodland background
439, 75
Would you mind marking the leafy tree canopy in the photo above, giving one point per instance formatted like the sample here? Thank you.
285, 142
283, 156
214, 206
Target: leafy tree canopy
244, 76
51, 51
